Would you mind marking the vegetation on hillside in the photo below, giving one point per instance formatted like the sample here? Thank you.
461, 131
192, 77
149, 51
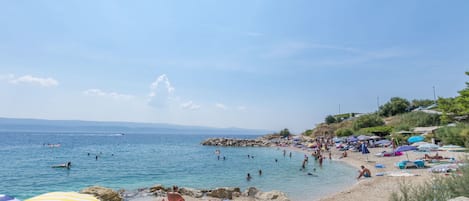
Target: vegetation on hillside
457, 135
414, 119
368, 120
457, 106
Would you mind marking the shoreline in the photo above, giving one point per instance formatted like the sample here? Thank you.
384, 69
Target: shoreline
379, 188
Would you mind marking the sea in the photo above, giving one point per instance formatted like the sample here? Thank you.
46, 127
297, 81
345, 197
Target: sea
133, 160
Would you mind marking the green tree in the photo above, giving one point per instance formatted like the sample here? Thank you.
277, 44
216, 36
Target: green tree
455, 106
285, 132
330, 119
458, 135
341, 132
365, 121
421, 103
395, 106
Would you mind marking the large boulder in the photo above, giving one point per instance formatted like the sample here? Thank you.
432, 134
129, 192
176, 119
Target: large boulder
104, 194
156, 188
271, 195
223, 192
251, 191
191, 192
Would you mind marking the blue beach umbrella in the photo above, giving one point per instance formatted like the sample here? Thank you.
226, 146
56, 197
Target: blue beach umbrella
414, 139
352, 139
7, 198
405, 148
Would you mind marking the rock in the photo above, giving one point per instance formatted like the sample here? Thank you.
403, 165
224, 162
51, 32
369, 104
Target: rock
191, 192
236, 194
251, 191
460, 198
104, 194
157, 187
271, 195
223, 192
260, 142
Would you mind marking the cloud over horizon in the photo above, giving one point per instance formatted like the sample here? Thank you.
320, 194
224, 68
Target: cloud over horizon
29, 79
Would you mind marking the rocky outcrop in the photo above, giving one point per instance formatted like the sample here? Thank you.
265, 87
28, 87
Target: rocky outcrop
104, 194
223, 192
231, 142
271, 195
191, 192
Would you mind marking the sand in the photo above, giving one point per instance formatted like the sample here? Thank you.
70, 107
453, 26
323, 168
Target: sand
379, 188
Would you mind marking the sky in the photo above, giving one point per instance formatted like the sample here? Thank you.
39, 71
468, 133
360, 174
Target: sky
250, 63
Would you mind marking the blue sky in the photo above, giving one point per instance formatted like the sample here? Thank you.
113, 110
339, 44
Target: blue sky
250, 64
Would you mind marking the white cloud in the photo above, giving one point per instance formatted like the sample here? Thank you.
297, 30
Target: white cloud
28, 79
221, 106
190, 106
113, 95
161, 79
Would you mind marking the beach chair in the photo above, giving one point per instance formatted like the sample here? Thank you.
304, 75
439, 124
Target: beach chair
175, 197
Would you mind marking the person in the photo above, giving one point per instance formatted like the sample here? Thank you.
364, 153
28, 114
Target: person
276, 160
344, 155
248, 177
69, 164
224, 158
320, 160
175, 196
218, 157
260, 172
290, 154
96, 157
365, 172
330, 155
437, 157
284, 153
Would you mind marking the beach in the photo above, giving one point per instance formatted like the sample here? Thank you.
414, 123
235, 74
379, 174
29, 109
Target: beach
379, 188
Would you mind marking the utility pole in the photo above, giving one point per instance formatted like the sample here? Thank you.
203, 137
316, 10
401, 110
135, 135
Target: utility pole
339, 108
434, 95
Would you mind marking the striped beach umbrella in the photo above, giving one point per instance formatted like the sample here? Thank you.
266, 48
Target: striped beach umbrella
63, 196
7, 198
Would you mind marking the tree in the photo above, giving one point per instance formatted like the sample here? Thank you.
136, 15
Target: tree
365, 121
285, 132
456, 106
395, 106
421, 103
330, 119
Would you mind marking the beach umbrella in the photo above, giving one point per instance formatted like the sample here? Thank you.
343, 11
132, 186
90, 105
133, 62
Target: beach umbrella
7, 198
405, 148
63, 196
452, 148
383, 142
414, 139
419, 143
352, 139
363, 137
428, 147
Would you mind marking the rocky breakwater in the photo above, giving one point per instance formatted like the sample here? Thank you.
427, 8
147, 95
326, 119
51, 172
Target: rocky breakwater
159, 192
232, 142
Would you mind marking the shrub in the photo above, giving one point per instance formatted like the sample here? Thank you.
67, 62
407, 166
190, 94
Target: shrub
369, 120
341, 132
458, 135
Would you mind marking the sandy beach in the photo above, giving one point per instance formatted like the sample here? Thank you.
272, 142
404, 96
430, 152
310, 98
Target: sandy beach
379, 188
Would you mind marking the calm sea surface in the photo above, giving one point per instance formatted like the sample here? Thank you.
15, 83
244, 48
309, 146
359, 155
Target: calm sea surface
137, 160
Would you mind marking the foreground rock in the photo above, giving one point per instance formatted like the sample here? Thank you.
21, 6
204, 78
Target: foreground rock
105, 194
159, 192
231, 142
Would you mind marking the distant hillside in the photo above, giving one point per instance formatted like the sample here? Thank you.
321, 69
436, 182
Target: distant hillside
14, 124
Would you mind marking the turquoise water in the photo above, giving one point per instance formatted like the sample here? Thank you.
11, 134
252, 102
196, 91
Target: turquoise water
137, 160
